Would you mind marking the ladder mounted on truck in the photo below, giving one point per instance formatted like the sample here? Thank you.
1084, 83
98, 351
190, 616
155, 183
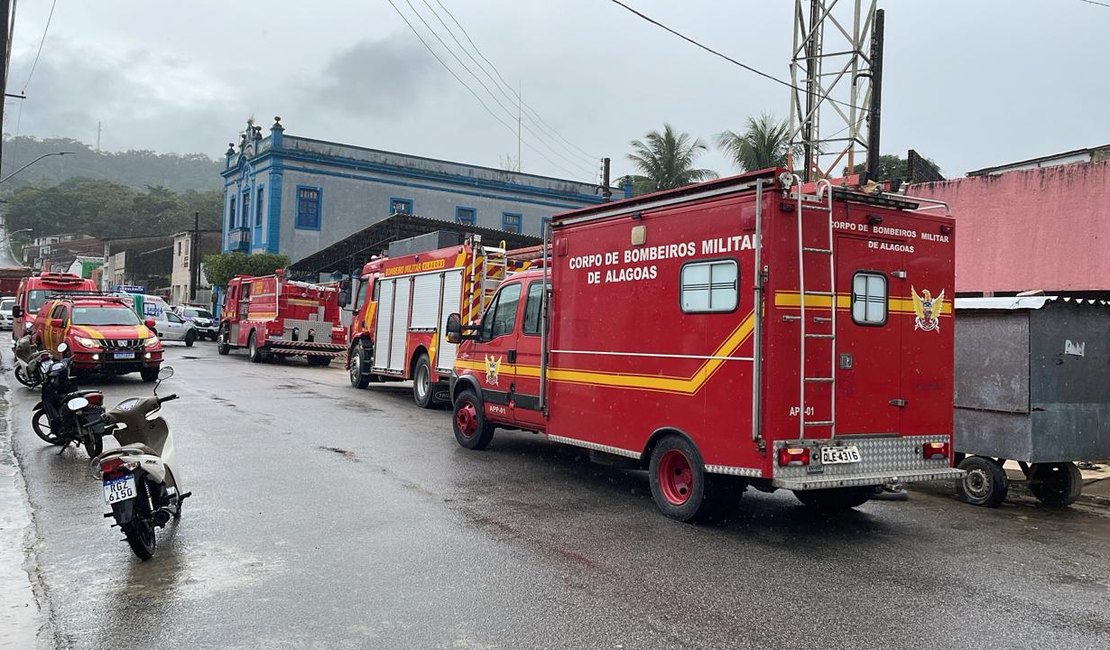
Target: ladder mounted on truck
819, 204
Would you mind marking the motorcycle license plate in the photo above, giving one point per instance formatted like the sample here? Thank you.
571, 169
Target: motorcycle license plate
119, 489
124, 355
835, 455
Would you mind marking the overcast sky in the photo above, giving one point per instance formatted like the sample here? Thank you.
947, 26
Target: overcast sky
969, 83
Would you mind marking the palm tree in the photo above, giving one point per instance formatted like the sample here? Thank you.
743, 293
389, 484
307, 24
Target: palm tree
763, 144
666, 160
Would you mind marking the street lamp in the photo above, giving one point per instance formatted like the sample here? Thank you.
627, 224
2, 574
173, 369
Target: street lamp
45, 155
8, 239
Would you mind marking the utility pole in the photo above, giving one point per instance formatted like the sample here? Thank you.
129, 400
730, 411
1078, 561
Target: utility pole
194, 263
98, 130
519, 101
5, 45
606, 193
873, 121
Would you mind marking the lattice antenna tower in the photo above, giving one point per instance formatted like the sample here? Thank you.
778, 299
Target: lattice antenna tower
835, 65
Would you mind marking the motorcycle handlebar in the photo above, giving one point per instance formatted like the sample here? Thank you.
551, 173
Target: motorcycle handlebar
167, 398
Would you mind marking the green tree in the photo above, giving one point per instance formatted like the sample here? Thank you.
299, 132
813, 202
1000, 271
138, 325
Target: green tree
105, 209
666, 160
896, 167
220, 268
764, 143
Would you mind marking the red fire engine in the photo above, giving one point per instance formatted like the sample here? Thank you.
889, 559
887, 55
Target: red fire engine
34, 290
397, 332
742, 332
272, 315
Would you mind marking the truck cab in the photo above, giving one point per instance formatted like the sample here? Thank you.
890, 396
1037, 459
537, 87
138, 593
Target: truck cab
102, 333
33, 292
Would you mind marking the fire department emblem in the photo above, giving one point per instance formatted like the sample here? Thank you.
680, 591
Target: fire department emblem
493, 365
928, 309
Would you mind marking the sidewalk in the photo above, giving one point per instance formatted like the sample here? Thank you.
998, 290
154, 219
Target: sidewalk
20, 619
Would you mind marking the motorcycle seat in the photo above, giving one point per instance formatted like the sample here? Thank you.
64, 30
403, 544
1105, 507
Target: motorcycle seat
146, 449
80, 393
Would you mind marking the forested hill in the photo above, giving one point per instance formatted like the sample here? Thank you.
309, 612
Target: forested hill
137, 169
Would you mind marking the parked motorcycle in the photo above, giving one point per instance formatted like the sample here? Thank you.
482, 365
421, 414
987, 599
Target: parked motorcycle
67, 415
141, 483
29, 359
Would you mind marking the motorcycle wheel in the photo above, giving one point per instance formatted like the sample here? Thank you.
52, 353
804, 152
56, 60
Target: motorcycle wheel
22, 378
40, 422
94, 444
140, 537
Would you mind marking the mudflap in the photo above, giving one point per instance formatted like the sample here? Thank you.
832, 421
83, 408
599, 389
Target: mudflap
124, 511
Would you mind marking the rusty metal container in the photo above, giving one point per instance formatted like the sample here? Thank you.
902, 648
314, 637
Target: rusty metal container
1032, 378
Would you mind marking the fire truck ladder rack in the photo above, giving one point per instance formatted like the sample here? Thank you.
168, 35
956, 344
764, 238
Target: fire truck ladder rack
495, 265
823, 205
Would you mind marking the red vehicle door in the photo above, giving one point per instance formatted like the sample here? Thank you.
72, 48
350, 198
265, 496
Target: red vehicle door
498, 351
526, 388
927, 343
868, 338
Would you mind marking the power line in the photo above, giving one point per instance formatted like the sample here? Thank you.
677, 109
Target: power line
1096, 3
43, 40
529, 110
726, 57
511, 96
489, 92
465, 85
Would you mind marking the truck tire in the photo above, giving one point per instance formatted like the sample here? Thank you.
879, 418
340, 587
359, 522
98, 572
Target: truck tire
834, 499
223, 345
1056, 485
985, 484
469, 421
357, 363
253, 352
149, 374
423, 388
681, 487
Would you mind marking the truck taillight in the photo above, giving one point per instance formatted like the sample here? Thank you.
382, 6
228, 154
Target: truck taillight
931, 450
793, 456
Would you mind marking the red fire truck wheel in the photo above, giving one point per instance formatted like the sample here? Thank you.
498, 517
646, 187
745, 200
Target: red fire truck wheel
471, 429
680, 486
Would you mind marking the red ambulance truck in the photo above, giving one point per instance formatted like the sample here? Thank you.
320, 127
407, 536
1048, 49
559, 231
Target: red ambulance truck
744, 332
271, 315
397, 333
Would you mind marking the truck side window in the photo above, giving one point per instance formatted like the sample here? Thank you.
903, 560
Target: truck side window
360, 295
532, 309
708, 287
869, 294
501, 316
377, 288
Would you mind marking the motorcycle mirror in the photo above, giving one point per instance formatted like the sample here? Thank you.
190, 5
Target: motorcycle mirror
165, 373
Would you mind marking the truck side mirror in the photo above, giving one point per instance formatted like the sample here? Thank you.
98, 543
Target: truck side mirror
454, 329
17, 311
57, 322
149, 323
344, 292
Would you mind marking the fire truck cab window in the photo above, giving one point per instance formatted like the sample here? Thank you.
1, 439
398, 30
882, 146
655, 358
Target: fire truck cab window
869, 298
360, 295
501, 316
708, 287
532, 309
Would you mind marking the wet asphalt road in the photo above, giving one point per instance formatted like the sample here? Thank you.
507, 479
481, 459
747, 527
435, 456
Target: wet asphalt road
329, 517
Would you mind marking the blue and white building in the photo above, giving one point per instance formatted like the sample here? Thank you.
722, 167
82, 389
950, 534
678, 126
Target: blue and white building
293, 195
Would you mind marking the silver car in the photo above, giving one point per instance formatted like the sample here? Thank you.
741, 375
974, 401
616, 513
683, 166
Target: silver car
6, 305
168, 326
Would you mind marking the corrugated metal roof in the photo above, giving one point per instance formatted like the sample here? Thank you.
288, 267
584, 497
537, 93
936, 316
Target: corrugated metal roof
1023, 302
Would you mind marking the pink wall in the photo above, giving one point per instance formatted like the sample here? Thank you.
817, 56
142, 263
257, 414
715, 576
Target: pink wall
1033, 229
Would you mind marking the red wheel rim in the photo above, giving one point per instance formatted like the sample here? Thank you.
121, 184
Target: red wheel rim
466, 419
676, 477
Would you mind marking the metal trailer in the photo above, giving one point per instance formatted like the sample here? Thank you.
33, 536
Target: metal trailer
1033, 386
